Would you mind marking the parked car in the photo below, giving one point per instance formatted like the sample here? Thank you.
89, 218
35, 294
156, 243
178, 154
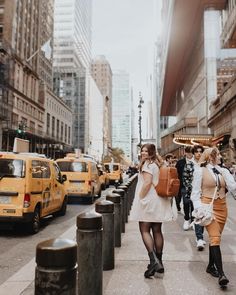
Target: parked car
82, 178
31, 187
114, 172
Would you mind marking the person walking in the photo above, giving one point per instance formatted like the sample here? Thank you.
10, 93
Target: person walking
180, 168
168, 160
150, 210
210, 181
189, 167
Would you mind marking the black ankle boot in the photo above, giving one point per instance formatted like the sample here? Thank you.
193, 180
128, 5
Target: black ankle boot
154, 266
211, 269
159, 256
223, 281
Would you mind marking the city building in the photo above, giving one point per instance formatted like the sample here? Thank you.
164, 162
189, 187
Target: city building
102, 75
26, 71
189, 70
223, 108
58, 126
121, 112
71, 62
96, 119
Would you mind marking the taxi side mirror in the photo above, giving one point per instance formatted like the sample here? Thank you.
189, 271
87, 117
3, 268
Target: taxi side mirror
63, 178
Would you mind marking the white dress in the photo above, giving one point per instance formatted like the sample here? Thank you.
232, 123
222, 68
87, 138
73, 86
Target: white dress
151, 208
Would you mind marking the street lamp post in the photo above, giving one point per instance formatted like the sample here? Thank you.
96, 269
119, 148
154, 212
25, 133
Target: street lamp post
141, 101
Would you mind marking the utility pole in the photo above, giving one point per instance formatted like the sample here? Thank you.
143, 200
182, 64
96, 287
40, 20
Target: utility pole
141, 101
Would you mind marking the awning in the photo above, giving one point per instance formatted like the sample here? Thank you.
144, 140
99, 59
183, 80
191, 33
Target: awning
193, 139
224, 137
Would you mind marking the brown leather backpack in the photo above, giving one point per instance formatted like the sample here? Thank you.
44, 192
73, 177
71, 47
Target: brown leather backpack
168, 185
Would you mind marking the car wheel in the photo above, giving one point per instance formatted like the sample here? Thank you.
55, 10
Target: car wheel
62, 211
34, 224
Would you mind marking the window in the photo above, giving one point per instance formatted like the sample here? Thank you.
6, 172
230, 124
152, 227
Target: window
53, 126
73, 166
57, 172
58, 128
11, 168
36, 169
46, 173
48, 123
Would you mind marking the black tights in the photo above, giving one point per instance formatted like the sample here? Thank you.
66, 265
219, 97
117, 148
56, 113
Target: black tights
155, 241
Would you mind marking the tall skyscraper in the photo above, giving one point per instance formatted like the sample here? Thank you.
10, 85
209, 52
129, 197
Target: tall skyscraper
71, 63
121, 112
102, 75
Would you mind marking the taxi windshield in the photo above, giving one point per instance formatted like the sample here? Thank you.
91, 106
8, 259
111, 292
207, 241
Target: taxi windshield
73, 166
11, 168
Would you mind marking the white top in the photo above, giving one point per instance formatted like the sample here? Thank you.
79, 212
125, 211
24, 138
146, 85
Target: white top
151, 208
197, 182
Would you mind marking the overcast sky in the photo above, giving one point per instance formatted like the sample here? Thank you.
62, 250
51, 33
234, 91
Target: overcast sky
124, 31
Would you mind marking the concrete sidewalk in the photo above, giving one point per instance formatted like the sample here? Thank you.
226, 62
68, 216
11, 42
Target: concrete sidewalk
184, 265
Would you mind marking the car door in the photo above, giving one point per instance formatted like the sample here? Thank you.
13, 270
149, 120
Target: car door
58, 189
47, 195
34, 184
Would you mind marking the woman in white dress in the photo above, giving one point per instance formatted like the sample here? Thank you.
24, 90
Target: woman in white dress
149, 209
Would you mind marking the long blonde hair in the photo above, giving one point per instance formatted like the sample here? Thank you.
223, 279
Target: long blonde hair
205, 157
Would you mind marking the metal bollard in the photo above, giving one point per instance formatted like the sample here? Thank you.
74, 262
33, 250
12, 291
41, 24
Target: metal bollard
56, 268
89, 239
128, 184
106, 208
126, 212
121, 192
115, 198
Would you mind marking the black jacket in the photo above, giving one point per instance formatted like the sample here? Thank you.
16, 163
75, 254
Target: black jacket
180, 169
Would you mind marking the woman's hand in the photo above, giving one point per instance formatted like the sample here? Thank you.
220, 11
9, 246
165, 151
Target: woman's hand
147, 183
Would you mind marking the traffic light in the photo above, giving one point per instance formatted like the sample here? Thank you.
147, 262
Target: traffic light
21, 129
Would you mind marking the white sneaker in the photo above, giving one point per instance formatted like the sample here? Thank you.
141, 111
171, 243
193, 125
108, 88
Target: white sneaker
186, 225
200, 245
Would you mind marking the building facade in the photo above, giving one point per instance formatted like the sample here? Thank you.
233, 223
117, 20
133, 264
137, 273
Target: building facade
71, 62
23, 26
96, 119
189, 70
223, 109
102, 75
121, 112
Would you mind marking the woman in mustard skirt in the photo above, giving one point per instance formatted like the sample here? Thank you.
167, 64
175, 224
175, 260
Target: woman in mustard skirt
210, 180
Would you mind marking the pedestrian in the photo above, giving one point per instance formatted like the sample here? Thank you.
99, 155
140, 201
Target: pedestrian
149, 209
180, 168
168, 160
189, 167
208, 179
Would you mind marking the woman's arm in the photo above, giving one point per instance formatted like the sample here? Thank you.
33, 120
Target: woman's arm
147, 183
196, 187
229, 179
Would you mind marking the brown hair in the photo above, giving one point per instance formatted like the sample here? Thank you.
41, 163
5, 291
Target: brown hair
153, 156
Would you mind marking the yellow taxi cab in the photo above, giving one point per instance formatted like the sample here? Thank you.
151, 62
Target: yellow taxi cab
114, 172
31, 187
82, 178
